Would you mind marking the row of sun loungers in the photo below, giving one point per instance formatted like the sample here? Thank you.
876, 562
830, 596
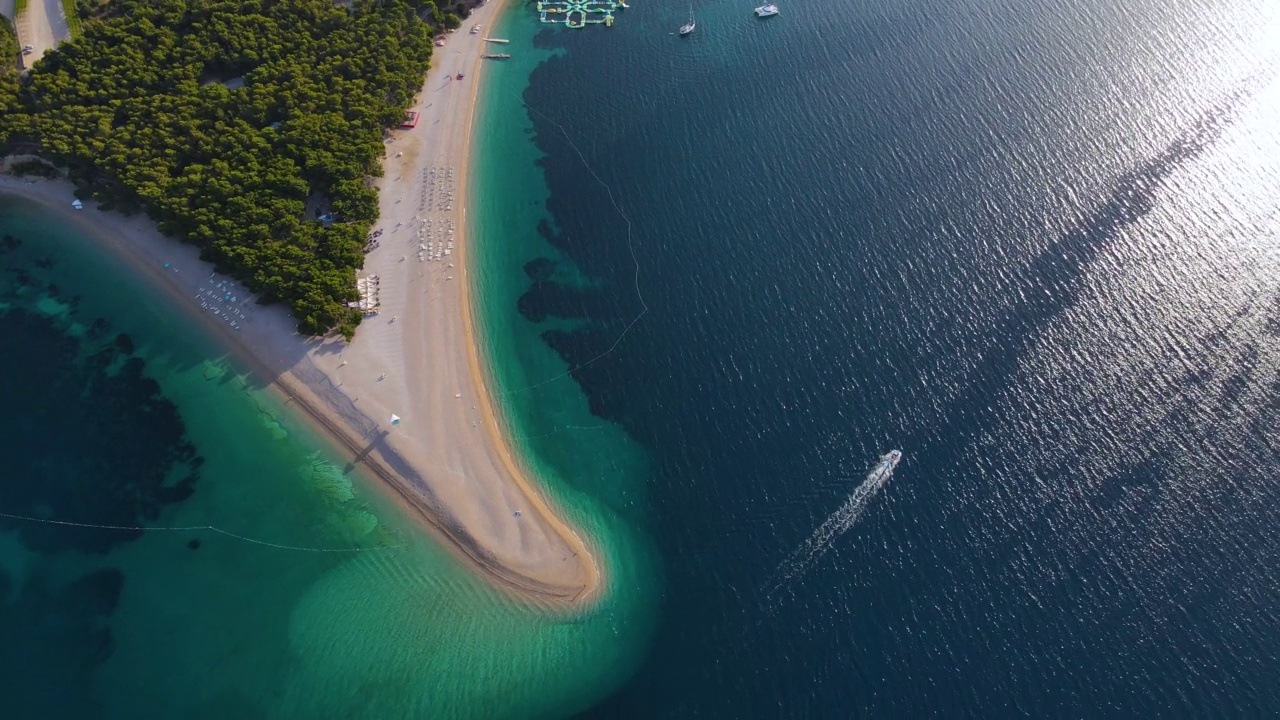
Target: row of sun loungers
223, 300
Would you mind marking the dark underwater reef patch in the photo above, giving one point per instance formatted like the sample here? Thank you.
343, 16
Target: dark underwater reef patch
577, 349
89, 438
54, 638
549, 299
549, 296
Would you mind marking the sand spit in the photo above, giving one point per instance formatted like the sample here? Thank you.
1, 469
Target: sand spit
418, 358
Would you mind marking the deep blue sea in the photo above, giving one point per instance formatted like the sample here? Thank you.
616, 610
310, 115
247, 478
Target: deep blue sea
1034, 244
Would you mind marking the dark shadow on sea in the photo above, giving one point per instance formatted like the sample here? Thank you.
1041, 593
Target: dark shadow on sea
1053, 282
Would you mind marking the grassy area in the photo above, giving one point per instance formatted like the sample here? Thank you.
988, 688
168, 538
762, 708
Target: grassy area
18, 7
73, 16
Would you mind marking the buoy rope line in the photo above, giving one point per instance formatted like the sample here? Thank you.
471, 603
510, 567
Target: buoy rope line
194, 528
630, 246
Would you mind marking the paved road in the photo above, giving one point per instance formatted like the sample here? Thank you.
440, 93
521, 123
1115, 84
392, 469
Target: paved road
42, 26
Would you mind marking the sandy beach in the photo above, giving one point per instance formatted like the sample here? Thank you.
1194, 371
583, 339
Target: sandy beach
448, 459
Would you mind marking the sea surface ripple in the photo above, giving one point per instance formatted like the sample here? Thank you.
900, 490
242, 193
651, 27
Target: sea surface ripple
1032, 244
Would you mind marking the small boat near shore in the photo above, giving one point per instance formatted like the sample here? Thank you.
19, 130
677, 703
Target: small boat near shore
497, 56
496, 40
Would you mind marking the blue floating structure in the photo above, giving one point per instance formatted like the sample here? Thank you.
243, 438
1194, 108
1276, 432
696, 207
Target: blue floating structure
579, 13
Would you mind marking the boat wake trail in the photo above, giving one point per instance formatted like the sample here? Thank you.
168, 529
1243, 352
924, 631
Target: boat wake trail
846, 516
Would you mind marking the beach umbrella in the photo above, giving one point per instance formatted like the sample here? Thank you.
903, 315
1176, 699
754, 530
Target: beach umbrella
77, 204
395, 419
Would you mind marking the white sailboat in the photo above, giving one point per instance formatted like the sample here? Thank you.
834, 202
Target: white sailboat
689, 26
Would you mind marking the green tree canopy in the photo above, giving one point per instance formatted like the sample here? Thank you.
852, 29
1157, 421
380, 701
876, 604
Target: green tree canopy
221, 120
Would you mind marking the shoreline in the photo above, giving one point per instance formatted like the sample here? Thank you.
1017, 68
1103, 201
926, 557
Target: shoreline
496, 519
482, 372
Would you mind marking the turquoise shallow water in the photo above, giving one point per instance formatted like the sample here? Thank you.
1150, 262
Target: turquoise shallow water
598, 473
313, 597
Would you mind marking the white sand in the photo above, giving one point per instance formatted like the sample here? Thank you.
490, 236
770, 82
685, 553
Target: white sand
448, 458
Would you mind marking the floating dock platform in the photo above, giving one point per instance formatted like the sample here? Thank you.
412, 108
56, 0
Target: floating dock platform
497, 56
579, 13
